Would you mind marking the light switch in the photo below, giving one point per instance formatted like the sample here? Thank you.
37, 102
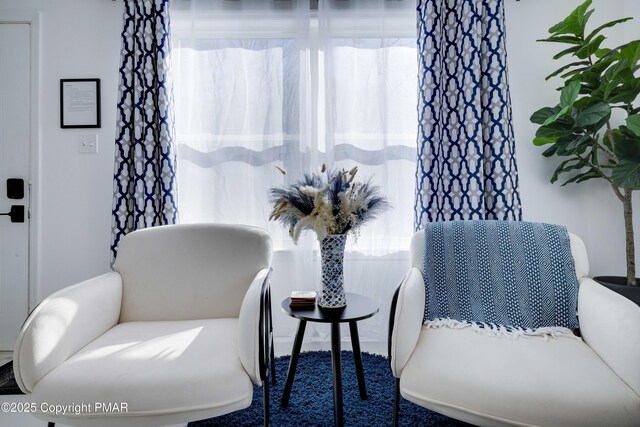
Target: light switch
88, 144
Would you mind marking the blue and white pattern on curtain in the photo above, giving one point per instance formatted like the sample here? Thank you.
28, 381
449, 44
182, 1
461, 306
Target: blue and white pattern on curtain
466, 151
144, 182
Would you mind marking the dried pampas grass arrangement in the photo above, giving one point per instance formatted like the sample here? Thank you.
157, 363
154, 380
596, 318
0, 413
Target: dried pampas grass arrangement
329, 202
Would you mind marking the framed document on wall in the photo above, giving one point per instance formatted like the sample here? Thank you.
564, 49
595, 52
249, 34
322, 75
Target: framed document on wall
79, 103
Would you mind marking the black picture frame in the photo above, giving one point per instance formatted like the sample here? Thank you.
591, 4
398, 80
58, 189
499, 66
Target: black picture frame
79, 103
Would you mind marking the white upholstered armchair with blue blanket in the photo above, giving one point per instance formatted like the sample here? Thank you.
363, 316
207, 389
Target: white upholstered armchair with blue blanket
180, 331
493, 379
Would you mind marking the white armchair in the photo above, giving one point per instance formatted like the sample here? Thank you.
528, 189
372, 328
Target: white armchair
180, 331
533, 381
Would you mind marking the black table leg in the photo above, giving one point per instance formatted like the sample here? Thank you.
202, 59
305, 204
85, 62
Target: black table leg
291, 373
337, 374
357, 358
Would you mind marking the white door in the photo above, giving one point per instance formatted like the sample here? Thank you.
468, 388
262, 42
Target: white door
14, 163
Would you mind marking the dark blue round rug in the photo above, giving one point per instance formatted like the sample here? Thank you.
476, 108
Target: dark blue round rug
311, 402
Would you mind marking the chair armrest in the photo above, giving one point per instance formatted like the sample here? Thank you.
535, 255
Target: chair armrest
610, 325
251, 330
64, 323
407, 320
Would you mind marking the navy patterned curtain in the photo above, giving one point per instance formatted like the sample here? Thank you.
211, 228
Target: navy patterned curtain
466, 152
144, 182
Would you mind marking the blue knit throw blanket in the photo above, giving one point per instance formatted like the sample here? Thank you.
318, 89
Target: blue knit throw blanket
502, 276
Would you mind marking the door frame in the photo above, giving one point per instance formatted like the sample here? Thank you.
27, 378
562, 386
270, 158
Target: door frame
33, 19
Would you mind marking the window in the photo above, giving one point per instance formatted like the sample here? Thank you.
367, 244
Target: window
282, 86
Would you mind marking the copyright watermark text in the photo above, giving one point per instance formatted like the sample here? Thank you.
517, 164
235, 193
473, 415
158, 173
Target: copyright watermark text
66, 409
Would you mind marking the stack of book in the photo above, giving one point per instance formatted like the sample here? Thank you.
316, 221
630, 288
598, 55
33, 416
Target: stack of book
302, 299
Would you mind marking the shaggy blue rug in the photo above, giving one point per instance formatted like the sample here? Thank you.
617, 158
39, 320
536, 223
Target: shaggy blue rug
311, 402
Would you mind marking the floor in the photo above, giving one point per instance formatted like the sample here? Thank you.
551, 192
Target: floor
5, 356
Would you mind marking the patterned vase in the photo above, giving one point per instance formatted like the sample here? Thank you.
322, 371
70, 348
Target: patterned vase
332, 258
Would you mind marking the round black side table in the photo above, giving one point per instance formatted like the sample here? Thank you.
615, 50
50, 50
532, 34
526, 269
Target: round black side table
358, 307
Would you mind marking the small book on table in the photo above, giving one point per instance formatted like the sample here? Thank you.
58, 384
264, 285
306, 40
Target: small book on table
302, 299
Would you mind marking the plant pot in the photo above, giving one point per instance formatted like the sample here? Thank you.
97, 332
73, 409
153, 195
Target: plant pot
332, 257
619, 285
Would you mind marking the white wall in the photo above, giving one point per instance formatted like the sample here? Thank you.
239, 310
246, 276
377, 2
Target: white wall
81, 38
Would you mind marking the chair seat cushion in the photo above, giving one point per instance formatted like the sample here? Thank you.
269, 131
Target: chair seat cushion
496, 381
156, 368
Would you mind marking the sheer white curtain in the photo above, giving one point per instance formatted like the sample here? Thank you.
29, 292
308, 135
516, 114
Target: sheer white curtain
265, 83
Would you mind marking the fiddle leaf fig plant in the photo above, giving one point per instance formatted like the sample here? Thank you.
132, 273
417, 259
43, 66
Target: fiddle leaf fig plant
596, 82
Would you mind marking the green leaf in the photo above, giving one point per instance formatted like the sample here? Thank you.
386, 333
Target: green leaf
562, 39
574, 145
633, 123
574, 23
628, 77
598, 94
561, 145
591, 174
631, 52
627, 144
624, 96
626, 174
622, 85
603, 63
552, 132
591, 48
576, 72
584, 102
613, 71
540, 141
608, 89
555, 117
601, 53
570, 93
566, 67
567, 166
593, 114
550, 151
591, 81
617, 135
540, 116
566, 52
559, 28
604, 26
628, 133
